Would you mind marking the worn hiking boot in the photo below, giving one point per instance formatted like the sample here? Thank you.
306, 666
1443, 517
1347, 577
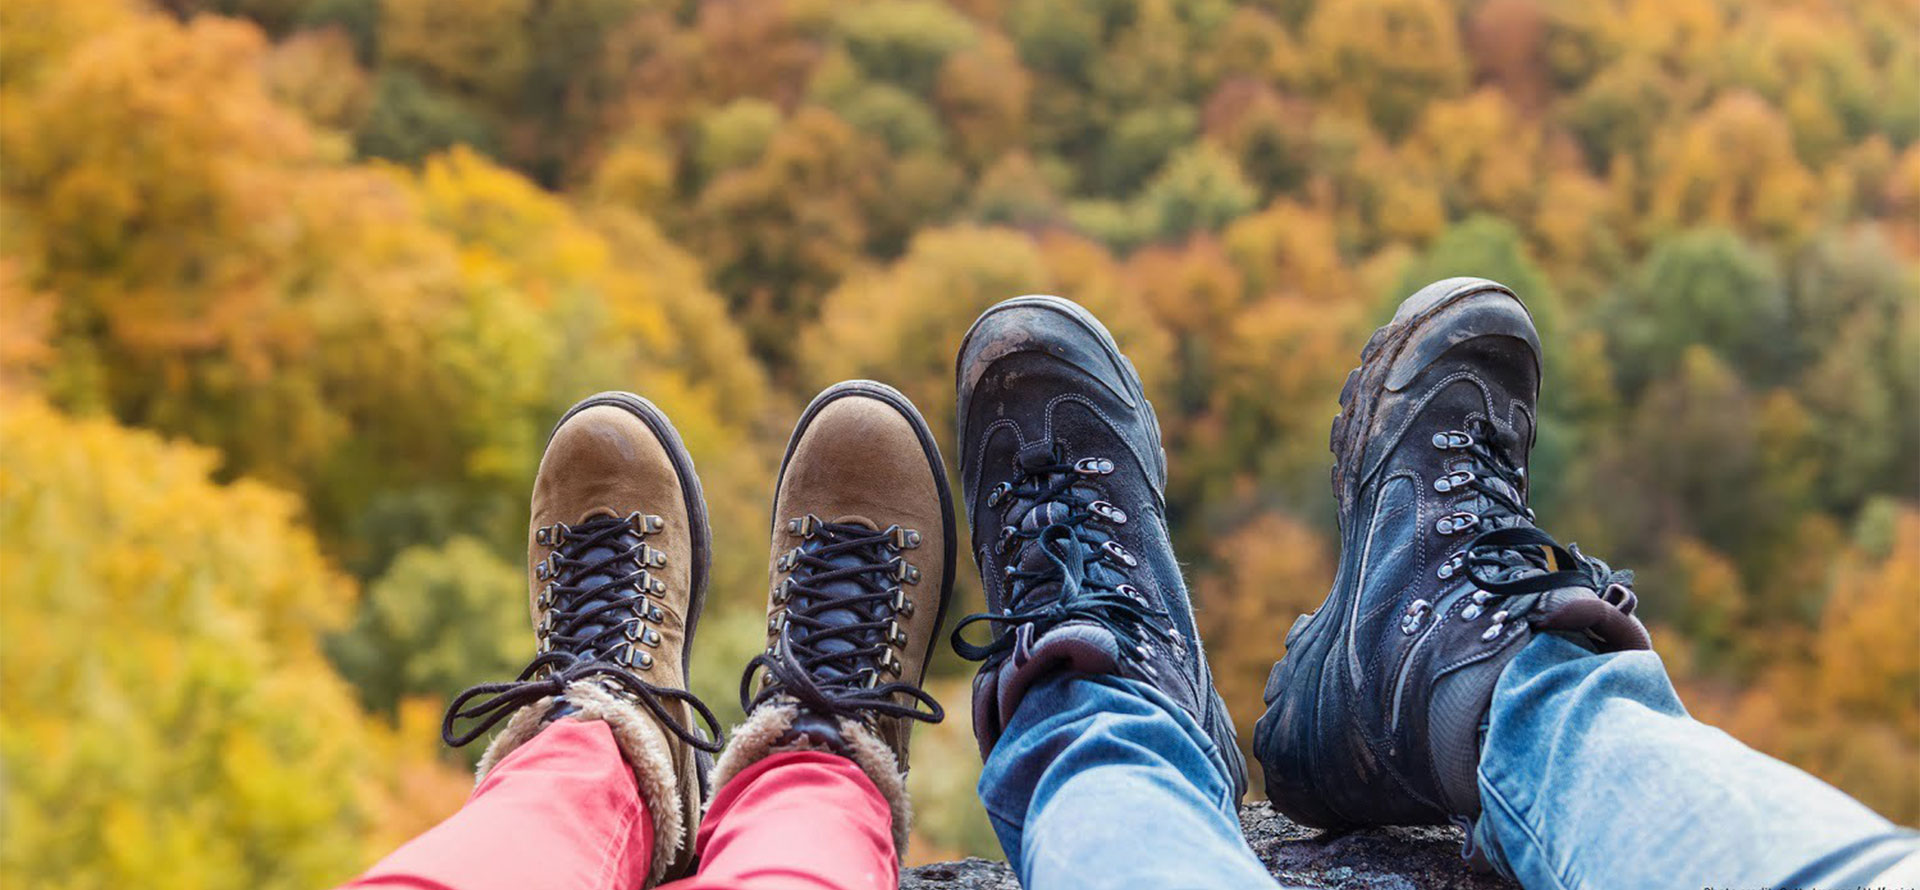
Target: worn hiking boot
862, 556
1063, 475
1376, 714
618, 552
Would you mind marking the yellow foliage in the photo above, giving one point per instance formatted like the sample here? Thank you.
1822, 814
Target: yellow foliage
1734, 165
170, 721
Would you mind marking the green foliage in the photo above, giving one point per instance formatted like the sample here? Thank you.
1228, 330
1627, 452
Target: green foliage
438, 618
905, 42
409, 121
735, 135
1201, 188
1704, 287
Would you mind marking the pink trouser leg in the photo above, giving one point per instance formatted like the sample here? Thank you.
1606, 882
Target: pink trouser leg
800, 819
561, 811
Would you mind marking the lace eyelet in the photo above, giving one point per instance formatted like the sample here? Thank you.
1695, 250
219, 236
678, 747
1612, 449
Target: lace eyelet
902, 604
1131, 592
1493, 631
646, 523
1454, 523
804, 526
896, 635
1471, 612
1452, 481
903, 538
650, 557
1119, 553
551, 535
1415, 614
999, 494
1005, 542
905, 571
1093, 466
1452, 440
547, 568
1108, 512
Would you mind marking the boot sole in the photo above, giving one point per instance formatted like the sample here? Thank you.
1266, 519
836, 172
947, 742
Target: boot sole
898, 401
702, 533
1310, 643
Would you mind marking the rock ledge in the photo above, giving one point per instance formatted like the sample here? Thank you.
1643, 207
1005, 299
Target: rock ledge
1373, 859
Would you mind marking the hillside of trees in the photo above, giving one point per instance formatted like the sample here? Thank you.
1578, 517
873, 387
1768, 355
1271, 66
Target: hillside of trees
293, 290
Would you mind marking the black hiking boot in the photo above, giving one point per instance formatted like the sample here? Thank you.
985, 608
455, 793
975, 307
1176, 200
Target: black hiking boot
1376, 713
1063, 476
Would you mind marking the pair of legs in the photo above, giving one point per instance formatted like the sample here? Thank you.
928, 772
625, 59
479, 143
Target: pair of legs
1593, 775
563, 810
603, 771
1465, 667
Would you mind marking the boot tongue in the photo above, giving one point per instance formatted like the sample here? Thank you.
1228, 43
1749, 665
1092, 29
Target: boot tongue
617, 568
840, 590
1033, 556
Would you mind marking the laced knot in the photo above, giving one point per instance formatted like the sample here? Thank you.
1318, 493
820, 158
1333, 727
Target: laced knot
597, 623
839, 637
1062, 562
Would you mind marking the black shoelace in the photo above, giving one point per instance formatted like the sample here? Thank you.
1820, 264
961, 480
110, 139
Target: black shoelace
831, 665
1510, 557
1077, 550
595, 614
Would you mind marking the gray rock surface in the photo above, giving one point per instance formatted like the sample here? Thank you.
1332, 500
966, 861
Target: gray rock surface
1374, 859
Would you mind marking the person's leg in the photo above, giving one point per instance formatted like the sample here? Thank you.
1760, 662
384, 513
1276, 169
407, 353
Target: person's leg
797, 819
811, 787
562, 810
1099, 781
1593, 775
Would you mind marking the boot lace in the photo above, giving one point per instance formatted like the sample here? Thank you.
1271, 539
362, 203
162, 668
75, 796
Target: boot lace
595, 626
1051, 505
839, 628
1509, 557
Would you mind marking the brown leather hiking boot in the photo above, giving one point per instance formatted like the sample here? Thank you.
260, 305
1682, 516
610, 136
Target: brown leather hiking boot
617, 559
863, 544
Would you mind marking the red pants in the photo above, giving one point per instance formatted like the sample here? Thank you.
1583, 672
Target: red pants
563, 811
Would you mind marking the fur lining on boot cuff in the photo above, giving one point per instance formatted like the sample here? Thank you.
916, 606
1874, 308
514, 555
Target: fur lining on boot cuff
754, 739
642, 742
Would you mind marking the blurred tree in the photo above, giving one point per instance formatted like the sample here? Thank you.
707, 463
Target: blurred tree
439, 620
983, 95
1200, 188
1386, 56
409, 120
1734, 165
209, 745
782, 231
906, 42
1707, 287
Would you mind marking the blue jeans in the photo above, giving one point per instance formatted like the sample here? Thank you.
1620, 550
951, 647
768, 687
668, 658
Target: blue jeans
1592, 775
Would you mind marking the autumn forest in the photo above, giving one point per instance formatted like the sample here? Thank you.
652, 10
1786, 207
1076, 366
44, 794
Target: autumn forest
291, 291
